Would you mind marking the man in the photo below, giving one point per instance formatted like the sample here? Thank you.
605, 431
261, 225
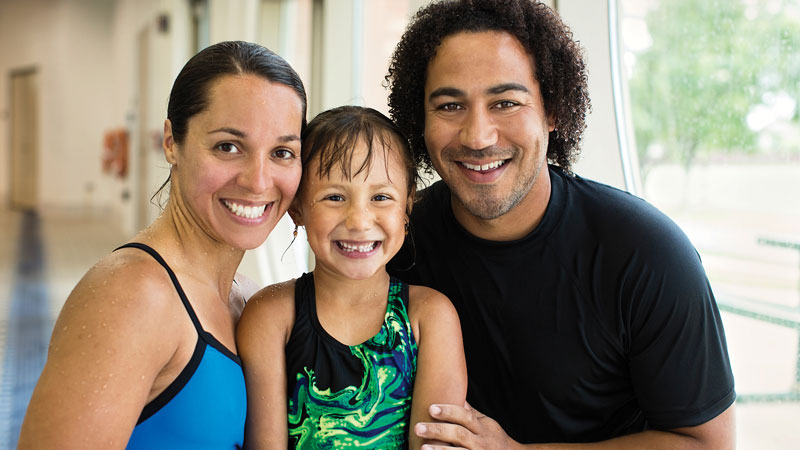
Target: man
586, 313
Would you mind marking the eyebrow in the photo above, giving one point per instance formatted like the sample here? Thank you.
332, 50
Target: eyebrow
494, 90
232, 131
242, 134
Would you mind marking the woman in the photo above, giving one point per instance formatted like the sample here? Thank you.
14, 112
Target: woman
143, 353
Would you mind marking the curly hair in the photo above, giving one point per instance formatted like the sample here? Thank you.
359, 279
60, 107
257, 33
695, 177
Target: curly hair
560, 69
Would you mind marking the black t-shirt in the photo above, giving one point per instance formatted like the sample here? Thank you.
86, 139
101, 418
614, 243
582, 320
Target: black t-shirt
601, 322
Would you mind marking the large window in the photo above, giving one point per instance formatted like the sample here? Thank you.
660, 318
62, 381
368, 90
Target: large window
713, 93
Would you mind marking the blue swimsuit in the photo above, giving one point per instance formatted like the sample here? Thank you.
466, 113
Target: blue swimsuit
205, 407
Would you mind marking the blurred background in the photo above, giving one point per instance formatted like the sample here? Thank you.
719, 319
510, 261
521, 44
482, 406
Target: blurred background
695, 109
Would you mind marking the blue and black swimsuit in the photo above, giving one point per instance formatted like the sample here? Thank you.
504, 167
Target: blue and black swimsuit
205, 407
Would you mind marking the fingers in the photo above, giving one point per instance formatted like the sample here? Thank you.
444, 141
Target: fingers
456, 435
465, 416
440, 447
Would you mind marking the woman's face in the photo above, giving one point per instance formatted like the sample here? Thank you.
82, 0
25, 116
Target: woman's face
238, 169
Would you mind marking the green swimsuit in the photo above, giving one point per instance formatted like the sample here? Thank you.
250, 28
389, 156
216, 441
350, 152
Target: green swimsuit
355, 396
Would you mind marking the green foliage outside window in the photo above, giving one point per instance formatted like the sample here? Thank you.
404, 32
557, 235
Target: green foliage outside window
721, 77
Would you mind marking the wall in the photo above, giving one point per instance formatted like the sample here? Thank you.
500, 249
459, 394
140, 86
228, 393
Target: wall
68, 43
86, 53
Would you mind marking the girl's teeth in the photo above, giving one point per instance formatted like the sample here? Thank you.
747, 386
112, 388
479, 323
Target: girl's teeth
357, 248
248, 212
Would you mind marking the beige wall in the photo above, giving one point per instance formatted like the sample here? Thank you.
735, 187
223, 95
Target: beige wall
68, 42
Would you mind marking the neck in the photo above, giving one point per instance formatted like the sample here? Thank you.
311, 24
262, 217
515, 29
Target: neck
514, 224
331, 286
191, 251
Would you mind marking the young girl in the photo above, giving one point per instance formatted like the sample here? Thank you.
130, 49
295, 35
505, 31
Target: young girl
341, 351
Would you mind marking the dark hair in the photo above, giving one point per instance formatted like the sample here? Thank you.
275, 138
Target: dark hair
558, 60
190, 92
333, 134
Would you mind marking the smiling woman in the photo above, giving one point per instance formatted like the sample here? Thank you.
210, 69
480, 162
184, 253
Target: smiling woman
143, 353
234, 170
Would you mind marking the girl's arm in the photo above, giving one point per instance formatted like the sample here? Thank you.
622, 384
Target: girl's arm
261, 338
112, 338
441, 367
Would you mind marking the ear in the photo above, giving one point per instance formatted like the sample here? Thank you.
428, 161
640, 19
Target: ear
410, 201
294, 212
169, 146
551, 123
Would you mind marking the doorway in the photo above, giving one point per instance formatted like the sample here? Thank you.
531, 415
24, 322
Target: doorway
24, 179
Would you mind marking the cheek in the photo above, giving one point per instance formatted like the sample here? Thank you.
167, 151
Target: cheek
287, 181
435, 133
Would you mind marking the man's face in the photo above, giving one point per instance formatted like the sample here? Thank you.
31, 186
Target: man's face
486, 129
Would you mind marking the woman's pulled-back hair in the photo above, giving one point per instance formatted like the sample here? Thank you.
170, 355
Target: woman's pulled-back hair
191, 90
332, 135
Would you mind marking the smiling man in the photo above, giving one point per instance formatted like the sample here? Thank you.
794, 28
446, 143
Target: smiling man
586, 313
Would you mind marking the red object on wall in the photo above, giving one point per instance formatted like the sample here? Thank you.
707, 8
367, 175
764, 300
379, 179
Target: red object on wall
115, 152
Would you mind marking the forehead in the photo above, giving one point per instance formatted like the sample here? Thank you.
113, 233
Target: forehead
479, 59
253, 102
385, 161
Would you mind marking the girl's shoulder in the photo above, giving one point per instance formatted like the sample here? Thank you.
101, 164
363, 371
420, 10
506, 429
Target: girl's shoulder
427, 304
273, 304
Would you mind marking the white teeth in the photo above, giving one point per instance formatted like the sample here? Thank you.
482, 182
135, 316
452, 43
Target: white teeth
357, 248
491, 165
248, 212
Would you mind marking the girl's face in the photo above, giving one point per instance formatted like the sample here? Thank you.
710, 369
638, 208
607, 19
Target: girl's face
355, 226
239, 167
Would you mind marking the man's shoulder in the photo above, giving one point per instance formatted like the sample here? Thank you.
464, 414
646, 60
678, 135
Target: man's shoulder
619, 217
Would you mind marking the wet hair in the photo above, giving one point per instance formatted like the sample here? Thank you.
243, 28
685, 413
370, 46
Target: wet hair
557, 57
191, 90
332, 135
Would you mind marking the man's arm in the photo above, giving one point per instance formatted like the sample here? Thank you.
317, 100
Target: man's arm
467, 428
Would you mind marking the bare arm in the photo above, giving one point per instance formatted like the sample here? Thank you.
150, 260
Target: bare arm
106, 351
441, 367
468, 428
261, 338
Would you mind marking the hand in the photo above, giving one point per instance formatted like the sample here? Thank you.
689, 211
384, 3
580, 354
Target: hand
463, 427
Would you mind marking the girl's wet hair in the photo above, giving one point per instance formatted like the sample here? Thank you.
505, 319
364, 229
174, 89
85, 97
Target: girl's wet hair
331, 137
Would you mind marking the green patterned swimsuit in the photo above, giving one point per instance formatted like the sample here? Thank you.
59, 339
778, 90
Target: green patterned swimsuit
355, 396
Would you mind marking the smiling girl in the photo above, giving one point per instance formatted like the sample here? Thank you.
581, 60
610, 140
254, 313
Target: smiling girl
342, 351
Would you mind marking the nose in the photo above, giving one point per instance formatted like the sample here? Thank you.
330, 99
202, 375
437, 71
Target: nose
359, 217
256, 175
478, 130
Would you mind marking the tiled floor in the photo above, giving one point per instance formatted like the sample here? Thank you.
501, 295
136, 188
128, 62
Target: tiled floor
42, 259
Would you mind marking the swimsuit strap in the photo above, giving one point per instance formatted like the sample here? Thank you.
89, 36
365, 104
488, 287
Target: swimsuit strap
178, 288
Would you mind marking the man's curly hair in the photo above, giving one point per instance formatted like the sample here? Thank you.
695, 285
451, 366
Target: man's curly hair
558, 59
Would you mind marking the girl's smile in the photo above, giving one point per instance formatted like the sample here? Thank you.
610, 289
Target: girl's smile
355, 224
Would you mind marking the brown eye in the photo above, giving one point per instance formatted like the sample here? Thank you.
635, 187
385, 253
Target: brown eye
227, 147
284, 153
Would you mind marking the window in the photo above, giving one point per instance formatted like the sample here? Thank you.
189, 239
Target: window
712, 96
